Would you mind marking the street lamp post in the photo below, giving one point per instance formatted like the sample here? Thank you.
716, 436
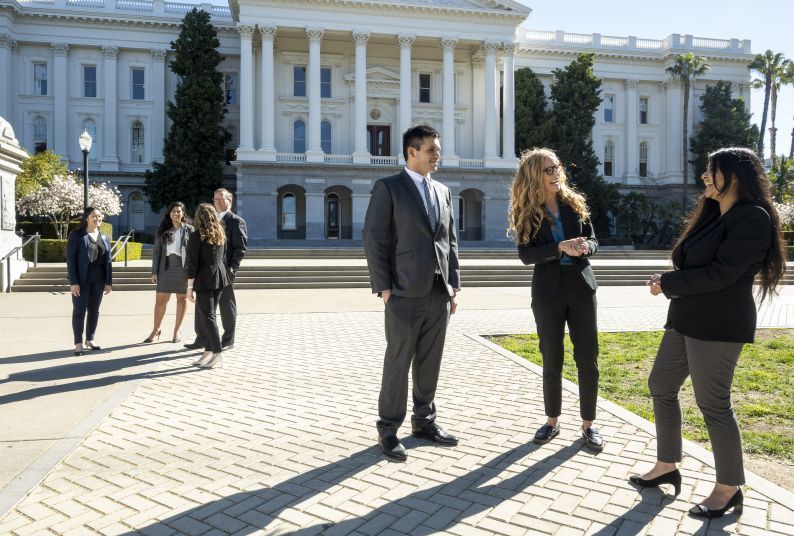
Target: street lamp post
85, 146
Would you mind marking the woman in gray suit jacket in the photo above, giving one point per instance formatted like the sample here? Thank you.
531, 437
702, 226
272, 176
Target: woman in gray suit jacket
168, 267
550, 225
732, 235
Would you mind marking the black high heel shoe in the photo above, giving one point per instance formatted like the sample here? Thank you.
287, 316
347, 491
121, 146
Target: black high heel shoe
92, 346
736, 502
673, 477
152, 338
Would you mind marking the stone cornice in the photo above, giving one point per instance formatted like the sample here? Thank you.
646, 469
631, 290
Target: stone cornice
529, 51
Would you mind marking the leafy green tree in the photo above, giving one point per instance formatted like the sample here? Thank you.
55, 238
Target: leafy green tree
768, 66
635, 214
37, 171
726, 123
532, 119
687, 67
782, 178
193, 152
575, 96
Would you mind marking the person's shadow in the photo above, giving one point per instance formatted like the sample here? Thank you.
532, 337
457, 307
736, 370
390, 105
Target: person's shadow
248, 512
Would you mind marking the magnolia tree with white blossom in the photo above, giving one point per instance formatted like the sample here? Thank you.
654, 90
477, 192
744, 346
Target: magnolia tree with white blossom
786, 213
62, 199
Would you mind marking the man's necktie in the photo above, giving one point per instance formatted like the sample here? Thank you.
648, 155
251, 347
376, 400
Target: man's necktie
431, 204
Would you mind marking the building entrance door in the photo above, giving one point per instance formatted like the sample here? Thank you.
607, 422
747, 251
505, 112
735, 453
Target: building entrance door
379, 140
332, 216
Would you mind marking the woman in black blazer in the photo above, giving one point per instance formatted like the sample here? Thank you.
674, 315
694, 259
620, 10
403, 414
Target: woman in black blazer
550, 224
168, 267
88, 264
732, 234
207, 274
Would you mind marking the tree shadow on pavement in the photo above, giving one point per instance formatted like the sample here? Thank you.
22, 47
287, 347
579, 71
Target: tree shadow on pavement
464, 496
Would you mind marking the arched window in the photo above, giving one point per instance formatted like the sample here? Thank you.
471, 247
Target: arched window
138, 148
136, 214
39, 135
643, 159
289, 212
325, 136
609, 159
299, 137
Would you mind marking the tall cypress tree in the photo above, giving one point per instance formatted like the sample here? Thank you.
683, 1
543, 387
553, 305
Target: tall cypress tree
576, 95
726, 123
532, 119
193, 151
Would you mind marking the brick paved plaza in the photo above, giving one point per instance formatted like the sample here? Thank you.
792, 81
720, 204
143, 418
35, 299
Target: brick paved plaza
281, 440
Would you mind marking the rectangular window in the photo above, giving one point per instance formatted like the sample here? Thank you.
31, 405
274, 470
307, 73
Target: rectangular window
299, 81
138, 84
643, 159
325, 83
39, 78
643, 110
609, 109
89, 80
138, 148
230, 88
424, 87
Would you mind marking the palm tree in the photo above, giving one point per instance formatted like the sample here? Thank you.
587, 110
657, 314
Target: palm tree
790, 80
766, 64
687, 67
779, 78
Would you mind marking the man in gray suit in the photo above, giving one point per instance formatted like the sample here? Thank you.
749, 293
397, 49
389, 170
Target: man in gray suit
412, 256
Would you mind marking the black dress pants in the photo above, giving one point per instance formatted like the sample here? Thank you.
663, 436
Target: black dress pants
87, 304
575, 303
206, 304
228, 308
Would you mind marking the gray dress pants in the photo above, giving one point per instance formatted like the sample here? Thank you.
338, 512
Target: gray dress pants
711, 365
415, 333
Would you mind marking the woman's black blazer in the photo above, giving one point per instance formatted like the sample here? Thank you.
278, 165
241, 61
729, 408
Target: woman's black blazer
205, 265
77, 258
711, 289
543, 252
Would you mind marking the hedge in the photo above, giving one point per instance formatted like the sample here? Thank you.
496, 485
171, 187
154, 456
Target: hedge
46, 230
54, 250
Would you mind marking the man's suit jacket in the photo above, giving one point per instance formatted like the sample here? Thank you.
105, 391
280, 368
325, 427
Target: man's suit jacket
543, 252
402, 250
77, 259
205, 264
236, 240
711, 289
160, 248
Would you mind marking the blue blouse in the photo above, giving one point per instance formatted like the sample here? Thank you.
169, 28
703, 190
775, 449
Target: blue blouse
559, 235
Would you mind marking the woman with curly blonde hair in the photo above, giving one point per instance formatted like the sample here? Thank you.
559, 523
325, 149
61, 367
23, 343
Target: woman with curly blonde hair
206, 272
549, 223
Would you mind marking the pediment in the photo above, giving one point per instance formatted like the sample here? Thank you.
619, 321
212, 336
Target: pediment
376, 75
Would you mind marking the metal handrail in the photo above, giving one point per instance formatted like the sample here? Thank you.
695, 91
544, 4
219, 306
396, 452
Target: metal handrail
121, 243
34, 238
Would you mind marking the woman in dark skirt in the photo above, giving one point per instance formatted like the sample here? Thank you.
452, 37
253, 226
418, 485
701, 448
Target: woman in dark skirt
168, 267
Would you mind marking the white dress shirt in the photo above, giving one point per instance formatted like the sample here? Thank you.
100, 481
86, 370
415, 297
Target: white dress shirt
418, 182
175, 246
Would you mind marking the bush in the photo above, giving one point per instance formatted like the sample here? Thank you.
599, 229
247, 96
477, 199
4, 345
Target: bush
50, 250
133, 252
46, 230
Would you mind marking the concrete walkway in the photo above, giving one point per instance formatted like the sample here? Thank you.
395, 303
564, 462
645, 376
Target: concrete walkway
133, 439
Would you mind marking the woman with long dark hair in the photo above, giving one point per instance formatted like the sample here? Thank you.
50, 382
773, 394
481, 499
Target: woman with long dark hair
550, 223
732, 235
168, 267
88, 264
206, 272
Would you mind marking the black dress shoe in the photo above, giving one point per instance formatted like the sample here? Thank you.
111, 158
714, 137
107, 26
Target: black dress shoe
593, 438
392, 448
546, 433
195, 345
736, 502
434, 433
673, 477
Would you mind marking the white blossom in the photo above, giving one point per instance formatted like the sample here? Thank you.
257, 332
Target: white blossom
786, 213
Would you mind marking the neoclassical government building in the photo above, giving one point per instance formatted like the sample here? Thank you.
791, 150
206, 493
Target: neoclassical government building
318, 94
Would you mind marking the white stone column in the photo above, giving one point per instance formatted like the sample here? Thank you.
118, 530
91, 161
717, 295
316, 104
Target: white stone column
406, 42
60, 123
314, 149
360, 153
491, 135
268, 125
508, 106
478, 100
673, 125
246, 88
632, 147
448, 156
7, 44
158, 102
109, 91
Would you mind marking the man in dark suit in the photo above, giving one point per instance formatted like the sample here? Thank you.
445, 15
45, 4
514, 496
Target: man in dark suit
412, 256
236, 246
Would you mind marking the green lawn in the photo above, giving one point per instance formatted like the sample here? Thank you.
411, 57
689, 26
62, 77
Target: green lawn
763, 387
